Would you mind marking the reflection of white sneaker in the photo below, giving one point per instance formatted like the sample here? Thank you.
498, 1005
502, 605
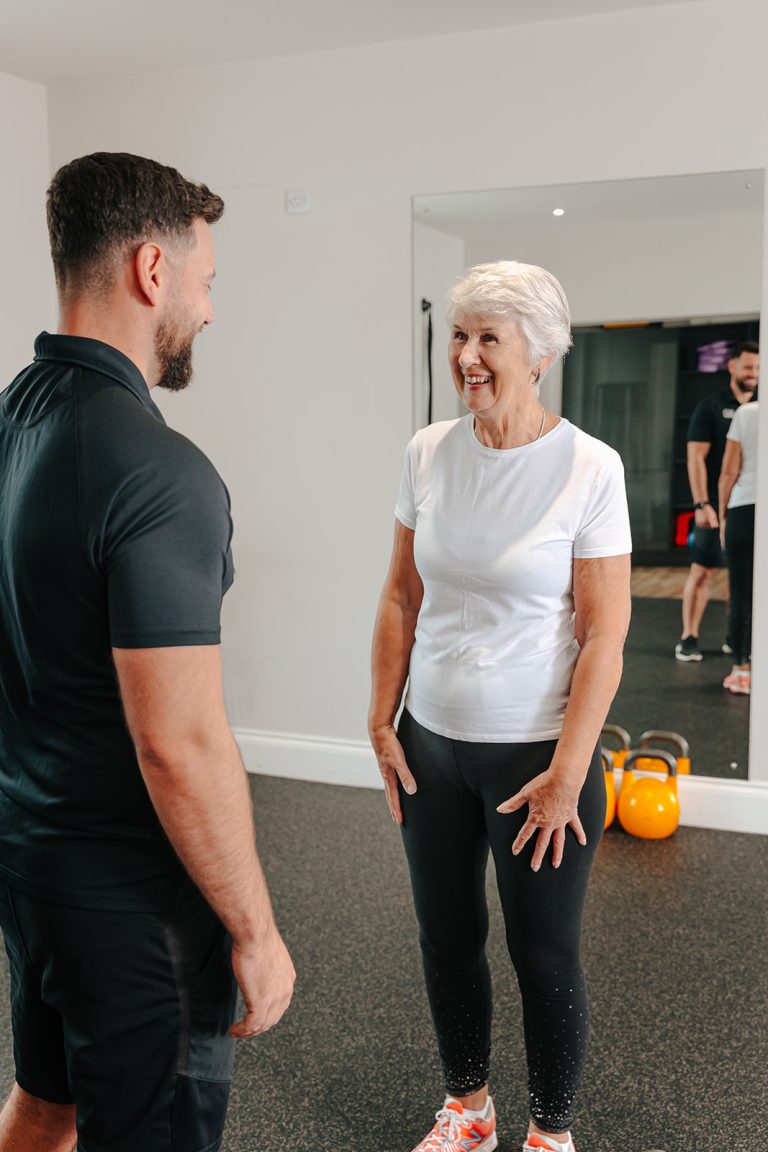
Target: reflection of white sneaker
535, 1142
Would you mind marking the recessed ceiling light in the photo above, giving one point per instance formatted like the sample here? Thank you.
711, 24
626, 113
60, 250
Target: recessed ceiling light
558, 211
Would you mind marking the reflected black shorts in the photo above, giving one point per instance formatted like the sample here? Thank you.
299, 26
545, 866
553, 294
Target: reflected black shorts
705, 548
127, 1015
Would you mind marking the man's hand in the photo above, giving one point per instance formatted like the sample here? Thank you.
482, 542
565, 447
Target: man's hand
706, 517
265, 976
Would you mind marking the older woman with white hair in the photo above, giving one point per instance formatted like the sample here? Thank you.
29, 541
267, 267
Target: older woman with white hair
505, 609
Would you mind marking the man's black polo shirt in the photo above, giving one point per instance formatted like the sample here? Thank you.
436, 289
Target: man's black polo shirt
114, 532
709, 423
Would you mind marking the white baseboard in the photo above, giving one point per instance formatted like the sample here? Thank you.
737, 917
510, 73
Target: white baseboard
705, 801
309, 758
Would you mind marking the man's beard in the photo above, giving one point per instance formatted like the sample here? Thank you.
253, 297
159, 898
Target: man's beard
174, 358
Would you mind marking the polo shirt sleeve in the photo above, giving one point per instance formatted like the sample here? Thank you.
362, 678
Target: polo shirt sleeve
405, 509
167, 555
700, 425
604, 529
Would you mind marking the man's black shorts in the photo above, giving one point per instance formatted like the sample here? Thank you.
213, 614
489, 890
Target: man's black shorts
705, 548
126, 1014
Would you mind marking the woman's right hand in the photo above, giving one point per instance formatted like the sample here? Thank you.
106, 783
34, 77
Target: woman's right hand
391, 760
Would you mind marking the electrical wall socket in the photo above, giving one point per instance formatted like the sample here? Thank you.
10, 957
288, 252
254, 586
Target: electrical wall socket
297, 200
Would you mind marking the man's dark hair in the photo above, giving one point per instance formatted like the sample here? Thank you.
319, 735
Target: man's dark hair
745, 346
102, 204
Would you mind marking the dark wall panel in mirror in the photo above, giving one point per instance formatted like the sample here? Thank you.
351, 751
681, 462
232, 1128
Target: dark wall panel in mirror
635, 388
620, 387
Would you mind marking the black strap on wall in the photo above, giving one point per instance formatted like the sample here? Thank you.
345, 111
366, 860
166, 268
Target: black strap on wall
426, 306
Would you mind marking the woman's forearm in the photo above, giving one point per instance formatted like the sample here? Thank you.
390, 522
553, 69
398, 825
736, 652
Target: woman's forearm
726, 484
595, 681
393, 638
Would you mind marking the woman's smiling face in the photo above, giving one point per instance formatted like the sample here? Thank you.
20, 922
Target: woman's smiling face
489, 361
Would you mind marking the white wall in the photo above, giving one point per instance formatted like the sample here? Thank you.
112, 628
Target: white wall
27, 298
304, 391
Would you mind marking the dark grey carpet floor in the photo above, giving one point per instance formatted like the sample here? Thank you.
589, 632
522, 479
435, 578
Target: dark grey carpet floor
675, 950
658, 691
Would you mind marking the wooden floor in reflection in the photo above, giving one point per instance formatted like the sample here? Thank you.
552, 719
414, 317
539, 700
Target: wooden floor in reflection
667, 583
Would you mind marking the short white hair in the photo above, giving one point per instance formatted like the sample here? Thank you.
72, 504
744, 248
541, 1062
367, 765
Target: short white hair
524, 293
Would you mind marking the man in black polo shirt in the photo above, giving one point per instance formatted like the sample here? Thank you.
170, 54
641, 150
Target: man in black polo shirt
707, 431
132, 901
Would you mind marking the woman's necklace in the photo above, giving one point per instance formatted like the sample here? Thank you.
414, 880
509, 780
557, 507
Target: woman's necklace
536, 437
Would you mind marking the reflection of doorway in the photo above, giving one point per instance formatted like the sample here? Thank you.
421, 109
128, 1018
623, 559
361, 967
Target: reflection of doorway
635, 387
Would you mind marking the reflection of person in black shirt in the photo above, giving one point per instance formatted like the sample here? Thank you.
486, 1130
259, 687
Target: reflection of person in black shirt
132, 901
707, 432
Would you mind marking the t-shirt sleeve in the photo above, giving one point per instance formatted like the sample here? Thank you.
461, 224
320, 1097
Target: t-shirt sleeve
604, 528
405, 509
736, 426
700, 425
167, 555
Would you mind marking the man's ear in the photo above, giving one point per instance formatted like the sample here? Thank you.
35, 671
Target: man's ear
151, 271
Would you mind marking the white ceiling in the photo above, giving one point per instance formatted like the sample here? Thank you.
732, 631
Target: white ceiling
484, 215
53, 40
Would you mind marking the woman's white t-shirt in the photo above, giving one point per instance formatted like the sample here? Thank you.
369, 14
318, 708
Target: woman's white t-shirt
496, 533
743, 429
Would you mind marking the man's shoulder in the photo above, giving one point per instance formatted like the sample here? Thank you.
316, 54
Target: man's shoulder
708, 413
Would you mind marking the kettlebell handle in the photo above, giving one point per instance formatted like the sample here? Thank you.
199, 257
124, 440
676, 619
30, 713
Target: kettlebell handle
607, 759
647, 739
652, 754
619, 732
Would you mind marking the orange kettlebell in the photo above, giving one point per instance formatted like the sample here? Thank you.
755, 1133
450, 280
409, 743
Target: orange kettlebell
657, 738
648, 807
610, 788
624, 739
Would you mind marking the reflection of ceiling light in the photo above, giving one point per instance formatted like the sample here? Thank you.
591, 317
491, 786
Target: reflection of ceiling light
558, 211
747, 185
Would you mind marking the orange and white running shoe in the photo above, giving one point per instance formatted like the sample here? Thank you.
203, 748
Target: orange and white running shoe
535, 1142
738, 682
454, 1131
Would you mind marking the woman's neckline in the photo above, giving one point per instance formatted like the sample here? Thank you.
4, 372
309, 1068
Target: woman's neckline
469, 420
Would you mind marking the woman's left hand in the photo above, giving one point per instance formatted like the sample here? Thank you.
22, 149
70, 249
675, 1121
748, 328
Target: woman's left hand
552, 808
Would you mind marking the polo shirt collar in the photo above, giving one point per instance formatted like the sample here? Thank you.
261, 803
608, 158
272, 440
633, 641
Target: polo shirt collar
98, 357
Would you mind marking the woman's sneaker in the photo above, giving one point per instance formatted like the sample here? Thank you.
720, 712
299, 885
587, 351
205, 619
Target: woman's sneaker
738, 682
455, 1131
687, 650
538, 1143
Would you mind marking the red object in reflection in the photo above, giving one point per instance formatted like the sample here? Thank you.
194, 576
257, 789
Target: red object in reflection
683, 528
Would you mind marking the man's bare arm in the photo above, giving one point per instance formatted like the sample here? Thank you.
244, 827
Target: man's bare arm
191, 765
696, 457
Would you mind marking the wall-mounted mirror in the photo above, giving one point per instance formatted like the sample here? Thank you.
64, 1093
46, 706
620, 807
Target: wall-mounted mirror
664, 278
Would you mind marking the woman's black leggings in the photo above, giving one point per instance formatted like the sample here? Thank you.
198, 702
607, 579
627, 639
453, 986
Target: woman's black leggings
449, 824
740, 551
